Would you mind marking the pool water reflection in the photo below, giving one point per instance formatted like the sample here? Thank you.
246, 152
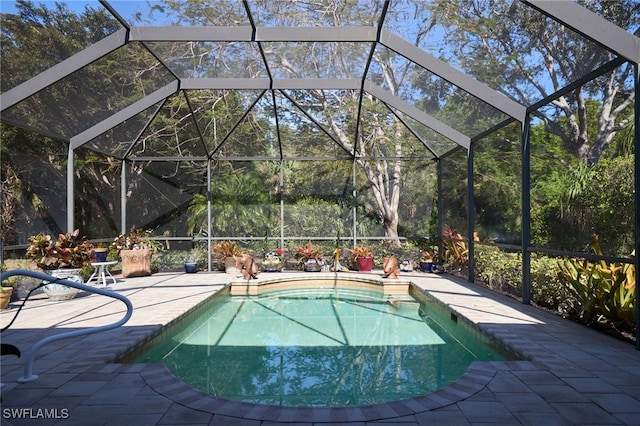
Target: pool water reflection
320, 347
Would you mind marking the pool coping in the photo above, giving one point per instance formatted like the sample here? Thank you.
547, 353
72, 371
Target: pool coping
475, 378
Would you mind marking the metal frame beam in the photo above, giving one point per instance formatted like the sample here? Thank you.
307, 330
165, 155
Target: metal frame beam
317, 34
266, 83
246, 33
187, 34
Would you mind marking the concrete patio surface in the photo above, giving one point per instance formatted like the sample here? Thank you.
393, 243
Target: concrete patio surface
571, 376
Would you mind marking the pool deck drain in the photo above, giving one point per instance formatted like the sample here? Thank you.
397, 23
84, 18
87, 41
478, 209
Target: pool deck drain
573, 375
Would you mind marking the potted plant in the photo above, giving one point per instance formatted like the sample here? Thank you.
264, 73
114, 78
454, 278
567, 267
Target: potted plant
309, 258
406, 266
6, 288
191, 264
273, 261
363, 257
5, 296
62, 259
100, 252
226, 250
426, 261
135, 249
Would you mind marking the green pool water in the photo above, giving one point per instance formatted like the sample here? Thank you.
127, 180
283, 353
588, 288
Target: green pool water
331, 347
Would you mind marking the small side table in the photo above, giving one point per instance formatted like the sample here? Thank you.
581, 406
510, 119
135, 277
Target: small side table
101, 270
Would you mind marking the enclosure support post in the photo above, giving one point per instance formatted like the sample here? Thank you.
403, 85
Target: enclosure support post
209, 229
123, 197
636, 157
470, 214
353, 194
440, 206
526, 210
281, 183
70, 191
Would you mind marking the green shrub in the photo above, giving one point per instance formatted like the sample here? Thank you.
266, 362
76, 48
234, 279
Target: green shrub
502, 271
546, 290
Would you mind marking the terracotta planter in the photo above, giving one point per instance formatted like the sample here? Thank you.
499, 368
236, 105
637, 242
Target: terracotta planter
5, 297
365, 264
136, 263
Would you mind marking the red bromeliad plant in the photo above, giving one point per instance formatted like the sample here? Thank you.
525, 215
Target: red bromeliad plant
309, 258
307, 252
456, 247
361, 251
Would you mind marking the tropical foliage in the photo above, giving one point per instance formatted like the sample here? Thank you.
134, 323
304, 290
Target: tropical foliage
308, 252
361, 251
600, 289
227, 248
70, 250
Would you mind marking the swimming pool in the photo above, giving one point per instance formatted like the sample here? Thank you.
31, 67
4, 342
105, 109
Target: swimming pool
332, 346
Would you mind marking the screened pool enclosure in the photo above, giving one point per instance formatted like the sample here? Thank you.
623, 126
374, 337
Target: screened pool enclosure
407, 125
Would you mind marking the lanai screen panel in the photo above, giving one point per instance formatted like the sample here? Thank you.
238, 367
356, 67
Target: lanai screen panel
97, 189
256, 135
497, 182
302, 14
435, 143
431, 94
534, 59
173, 132
454, 196
418, 207
181, 13
218, 112
316, 60
160, 194
49, 45
616, 12
318, 198
91, 94
41, 183
577, 198
204, 59
414, 183
300, 134
333, 111
119, 140
245, 198
383, 134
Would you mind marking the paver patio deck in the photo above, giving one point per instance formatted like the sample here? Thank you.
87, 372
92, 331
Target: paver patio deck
572, 375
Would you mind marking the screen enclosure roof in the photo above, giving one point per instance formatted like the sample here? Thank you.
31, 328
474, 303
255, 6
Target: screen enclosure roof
208, 67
